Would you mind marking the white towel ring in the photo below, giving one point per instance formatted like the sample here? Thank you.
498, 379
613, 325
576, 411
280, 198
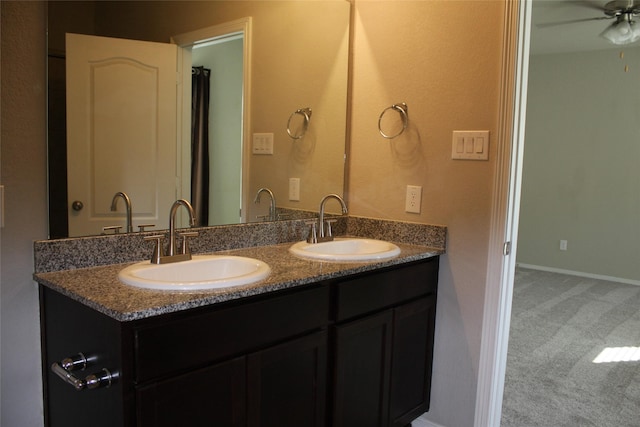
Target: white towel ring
304, 112
404, 114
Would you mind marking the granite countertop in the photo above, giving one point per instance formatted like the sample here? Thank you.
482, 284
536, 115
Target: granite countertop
100, 289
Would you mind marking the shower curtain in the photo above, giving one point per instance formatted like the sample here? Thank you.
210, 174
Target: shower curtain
200, 144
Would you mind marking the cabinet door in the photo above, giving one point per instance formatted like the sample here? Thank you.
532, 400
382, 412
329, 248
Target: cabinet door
362, 371
69, 327
287, 383
413, 327
214, 396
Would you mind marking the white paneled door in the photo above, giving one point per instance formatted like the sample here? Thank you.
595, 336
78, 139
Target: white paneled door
121, 131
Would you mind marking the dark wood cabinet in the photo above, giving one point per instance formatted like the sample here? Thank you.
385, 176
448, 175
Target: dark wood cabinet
354, 351
413, 330
287, 383
384, 347
212, 396
362, 369
282, 386
68, 328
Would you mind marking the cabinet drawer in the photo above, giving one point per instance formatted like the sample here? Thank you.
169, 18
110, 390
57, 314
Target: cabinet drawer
380, 289
216, 334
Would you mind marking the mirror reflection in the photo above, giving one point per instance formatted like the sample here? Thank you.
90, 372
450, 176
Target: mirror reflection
295, 58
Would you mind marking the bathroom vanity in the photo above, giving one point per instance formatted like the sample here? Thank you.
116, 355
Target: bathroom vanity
315, 344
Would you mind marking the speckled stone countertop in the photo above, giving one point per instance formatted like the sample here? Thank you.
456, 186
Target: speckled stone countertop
99, 288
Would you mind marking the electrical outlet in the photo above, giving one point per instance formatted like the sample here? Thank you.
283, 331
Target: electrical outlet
563, 245
413, 201
294, 189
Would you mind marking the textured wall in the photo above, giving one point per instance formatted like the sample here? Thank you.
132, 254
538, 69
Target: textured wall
24, 178
409, 51
581, 180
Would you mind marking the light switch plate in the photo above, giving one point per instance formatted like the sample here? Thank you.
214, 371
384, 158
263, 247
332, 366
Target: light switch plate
470, 145
262, 143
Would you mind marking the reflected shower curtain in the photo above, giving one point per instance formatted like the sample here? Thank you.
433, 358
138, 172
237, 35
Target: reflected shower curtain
200, 144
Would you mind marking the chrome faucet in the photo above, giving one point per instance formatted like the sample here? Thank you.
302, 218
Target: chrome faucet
172, 255
272, 202
172, 223
127, 203
322, 236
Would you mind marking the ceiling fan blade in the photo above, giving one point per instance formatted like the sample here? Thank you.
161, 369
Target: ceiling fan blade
571, 21
591, 4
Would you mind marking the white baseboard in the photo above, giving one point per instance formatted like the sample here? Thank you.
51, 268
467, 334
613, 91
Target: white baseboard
580, 274
423, 422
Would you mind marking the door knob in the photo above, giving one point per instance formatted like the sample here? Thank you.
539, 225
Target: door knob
77, 205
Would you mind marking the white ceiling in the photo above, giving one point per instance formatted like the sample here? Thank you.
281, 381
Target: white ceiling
570, 37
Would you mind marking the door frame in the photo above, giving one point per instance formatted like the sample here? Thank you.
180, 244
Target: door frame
184, 42
505, 214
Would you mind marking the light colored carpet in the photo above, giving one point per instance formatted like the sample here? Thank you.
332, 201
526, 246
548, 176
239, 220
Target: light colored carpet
559, 325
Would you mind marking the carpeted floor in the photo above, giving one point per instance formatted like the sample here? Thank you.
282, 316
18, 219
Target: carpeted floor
559, 325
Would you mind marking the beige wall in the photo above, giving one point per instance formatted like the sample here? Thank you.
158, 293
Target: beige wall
403, 52
24, 169
407, 51
581, 180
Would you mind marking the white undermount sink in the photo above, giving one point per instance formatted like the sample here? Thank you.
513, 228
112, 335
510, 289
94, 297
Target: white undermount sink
200, 273
346, 249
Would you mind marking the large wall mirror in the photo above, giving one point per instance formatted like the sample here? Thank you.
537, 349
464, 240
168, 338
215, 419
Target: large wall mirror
298, 61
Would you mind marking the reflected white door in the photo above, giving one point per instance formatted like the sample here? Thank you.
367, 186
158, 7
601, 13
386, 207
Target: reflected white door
121, 131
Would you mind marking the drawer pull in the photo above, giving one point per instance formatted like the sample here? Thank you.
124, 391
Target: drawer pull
65, 370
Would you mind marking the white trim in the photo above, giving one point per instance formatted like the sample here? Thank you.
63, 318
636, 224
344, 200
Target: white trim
425, 423
421, 421
580, 274
504, 218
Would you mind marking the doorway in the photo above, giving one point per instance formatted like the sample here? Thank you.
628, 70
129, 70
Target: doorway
225, 49
578, 237
505, 221
222, 57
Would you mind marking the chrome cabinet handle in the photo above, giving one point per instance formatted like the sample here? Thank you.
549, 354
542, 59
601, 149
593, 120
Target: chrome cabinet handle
67, 376
103, 378
64, 369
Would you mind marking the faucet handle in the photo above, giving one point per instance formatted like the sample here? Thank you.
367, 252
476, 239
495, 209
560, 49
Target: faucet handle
142, 227
313, 235
329, 222
185, 245
158, 250
115, 228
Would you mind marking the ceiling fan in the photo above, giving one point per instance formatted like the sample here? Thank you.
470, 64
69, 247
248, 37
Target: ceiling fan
624, 30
